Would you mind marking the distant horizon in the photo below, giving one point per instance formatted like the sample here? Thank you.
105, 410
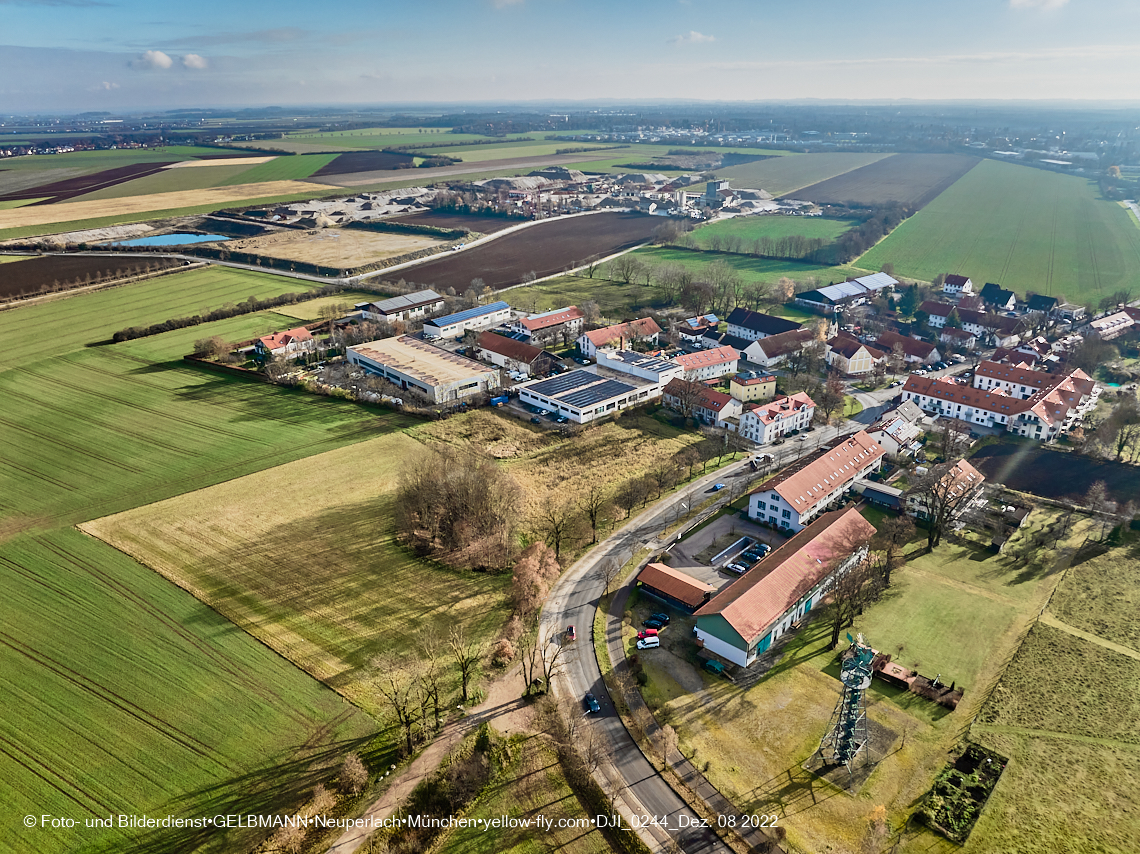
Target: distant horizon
81, 55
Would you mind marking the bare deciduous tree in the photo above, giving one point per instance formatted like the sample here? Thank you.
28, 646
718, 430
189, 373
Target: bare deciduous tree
596, 505
400, 692
353, 775
558, 524
468, 654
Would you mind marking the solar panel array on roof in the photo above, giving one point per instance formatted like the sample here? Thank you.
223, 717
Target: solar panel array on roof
595, 393
563, 382
460, 316
407, 301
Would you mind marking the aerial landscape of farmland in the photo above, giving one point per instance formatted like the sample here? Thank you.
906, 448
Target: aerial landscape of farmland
483, 429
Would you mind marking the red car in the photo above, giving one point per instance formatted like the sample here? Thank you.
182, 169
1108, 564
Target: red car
646, 633
571, 634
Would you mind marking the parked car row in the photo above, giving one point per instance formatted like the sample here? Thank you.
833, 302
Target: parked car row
749, 559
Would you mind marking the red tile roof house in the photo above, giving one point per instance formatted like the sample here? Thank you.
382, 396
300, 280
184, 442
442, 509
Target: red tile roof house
961, 479
709, 364
799, 493
765, 422
290, 343
552, 324
674, 587
955, 284
619, 336
506, 352
708, 406
771, 351
851, 356
741, 622
915, 352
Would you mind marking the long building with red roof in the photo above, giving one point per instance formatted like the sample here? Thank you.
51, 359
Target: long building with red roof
1011, 398
799, 493
742, 621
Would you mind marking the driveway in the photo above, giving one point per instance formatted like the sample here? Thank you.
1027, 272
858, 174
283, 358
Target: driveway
684, 552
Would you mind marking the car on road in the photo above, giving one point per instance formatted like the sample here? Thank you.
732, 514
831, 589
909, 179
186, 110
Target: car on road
535, 420
571, 633
660, 617
591, 704
561, 419
653, 624
895, 384
717, 488
647, 633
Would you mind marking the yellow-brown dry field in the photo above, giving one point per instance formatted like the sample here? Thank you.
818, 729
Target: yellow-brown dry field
303, 556
333, 247
75, 211
227, 161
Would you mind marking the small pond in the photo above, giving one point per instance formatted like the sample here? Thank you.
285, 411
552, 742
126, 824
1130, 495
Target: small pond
169, 240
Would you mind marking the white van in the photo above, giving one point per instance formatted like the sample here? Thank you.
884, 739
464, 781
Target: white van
649, 643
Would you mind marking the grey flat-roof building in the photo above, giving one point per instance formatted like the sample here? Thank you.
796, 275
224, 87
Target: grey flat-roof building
411, 363
584, 396
403, 307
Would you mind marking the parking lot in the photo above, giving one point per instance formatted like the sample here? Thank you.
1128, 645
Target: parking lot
687, 554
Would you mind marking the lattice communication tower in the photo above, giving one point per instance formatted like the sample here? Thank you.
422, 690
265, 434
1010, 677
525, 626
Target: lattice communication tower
847, 735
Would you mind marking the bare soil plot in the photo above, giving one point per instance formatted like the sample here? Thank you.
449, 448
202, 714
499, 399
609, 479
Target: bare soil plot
439, 219
70, 188
14, 180
1051, 474
913, 179
60, 272
366, 161
334, 247
102, 209
545, 248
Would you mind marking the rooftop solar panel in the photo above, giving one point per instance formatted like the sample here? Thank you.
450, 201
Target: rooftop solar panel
595, 393
478, 311
563, 382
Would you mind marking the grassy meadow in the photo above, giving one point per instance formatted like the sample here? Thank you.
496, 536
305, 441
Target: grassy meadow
172, 181
751, 269
750, 228
1025, 228
783, 175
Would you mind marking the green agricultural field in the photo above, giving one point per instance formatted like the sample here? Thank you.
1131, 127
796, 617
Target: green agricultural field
750, 228
1024, 228
296, 168
617, 301
18, 203
783, 175
97, 431
750, 269
1112, 577
170, 181
311, 309
127, 695
539, 148
8, 259
375, 138
62, 326
172, 346
319, 578
93, 161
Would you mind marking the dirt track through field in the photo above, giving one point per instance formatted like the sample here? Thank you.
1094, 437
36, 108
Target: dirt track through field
220, 196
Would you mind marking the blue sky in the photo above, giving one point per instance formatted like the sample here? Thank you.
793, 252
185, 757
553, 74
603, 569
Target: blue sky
122, 54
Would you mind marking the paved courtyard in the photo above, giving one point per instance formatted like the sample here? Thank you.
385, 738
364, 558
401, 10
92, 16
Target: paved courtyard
684, 554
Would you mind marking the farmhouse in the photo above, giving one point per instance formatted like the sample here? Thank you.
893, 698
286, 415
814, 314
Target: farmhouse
414, 364
290, 343
709, 364
1028, 403
749, 386
766, 422
851, 356
914, 352
802, 491
959, 338
696, 400
584, 396
478, 318
674, 587
741, 622
753, 325
955, 489
619, 336
402, 308
771, 351
509, 353
852, 292
956, 285
549, 326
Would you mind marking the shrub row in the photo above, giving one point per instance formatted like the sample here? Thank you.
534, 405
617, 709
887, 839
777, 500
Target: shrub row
393, 227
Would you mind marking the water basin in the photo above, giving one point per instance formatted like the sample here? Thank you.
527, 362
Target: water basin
168, 240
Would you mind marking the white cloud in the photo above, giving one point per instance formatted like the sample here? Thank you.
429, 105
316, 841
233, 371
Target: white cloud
1037, 4
192, 60
105, 86
692, 37
153, 59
